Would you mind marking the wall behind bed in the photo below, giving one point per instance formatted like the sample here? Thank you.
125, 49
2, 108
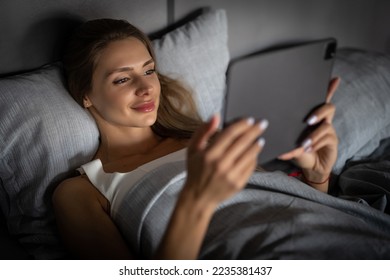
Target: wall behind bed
254, 24
33, 32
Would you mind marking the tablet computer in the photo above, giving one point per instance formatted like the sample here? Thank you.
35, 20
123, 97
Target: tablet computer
282, 85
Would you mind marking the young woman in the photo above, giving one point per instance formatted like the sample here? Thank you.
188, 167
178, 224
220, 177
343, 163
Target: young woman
145, 117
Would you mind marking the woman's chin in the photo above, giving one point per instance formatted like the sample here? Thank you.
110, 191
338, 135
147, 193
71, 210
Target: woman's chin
150, 120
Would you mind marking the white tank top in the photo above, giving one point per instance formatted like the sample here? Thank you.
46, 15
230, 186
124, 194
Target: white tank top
114, 186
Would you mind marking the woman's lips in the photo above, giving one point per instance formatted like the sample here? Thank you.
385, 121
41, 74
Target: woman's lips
145, 107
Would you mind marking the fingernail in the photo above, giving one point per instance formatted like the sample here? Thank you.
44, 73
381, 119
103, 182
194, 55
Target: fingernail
250, 121
306, 144
312, 120
264, 124
308, 149
261, 142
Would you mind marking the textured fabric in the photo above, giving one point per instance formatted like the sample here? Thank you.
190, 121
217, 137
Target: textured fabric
367, 181
275, 217
44, 136
114, 186
197, 54
362, 102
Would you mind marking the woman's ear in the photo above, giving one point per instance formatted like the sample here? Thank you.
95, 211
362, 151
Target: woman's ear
86, 102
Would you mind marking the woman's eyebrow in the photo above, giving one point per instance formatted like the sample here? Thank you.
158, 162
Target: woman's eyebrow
127, 68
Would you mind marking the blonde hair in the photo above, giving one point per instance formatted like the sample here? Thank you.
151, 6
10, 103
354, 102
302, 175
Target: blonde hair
177, 115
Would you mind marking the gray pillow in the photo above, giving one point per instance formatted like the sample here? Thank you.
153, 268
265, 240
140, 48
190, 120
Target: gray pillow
45, 135
362, 102
197, 54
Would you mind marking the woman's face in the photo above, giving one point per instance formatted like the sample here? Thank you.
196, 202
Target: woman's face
125, 87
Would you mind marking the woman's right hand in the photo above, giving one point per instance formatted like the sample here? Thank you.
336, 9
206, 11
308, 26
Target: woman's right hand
220, 168
217, 170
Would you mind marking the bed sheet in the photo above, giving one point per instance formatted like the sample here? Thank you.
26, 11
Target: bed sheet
275, 217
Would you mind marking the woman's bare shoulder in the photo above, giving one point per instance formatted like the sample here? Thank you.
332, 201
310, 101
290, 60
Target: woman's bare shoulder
75, 181
78, 187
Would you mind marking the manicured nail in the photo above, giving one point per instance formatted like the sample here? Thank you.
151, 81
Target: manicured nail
312, 120
264, 124
261, 142
308, 149
306, 144
250, 121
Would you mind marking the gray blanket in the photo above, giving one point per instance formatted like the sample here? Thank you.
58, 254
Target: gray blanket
367, 181
274, 217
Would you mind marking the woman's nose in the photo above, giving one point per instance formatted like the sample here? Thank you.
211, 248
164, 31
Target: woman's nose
143, 87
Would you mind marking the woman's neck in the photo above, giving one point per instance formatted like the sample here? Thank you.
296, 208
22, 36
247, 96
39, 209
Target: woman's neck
118, 144
118, 155
125, 142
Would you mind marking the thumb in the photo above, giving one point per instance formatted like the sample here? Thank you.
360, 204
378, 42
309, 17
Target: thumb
333, 85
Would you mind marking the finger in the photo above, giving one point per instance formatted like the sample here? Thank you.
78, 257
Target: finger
317, 134
327, 140
324, 113
244, 141
313, 142
201, 137
246, 164
292, 154
309, 142
327, 133
333, 85
230, 134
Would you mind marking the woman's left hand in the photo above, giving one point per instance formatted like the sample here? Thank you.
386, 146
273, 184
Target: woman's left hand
318, 152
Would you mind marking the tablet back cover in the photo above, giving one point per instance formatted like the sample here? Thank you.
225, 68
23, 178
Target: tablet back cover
283, 86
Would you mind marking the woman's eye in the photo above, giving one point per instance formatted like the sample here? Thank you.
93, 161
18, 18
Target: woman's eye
121, 81
150, 72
